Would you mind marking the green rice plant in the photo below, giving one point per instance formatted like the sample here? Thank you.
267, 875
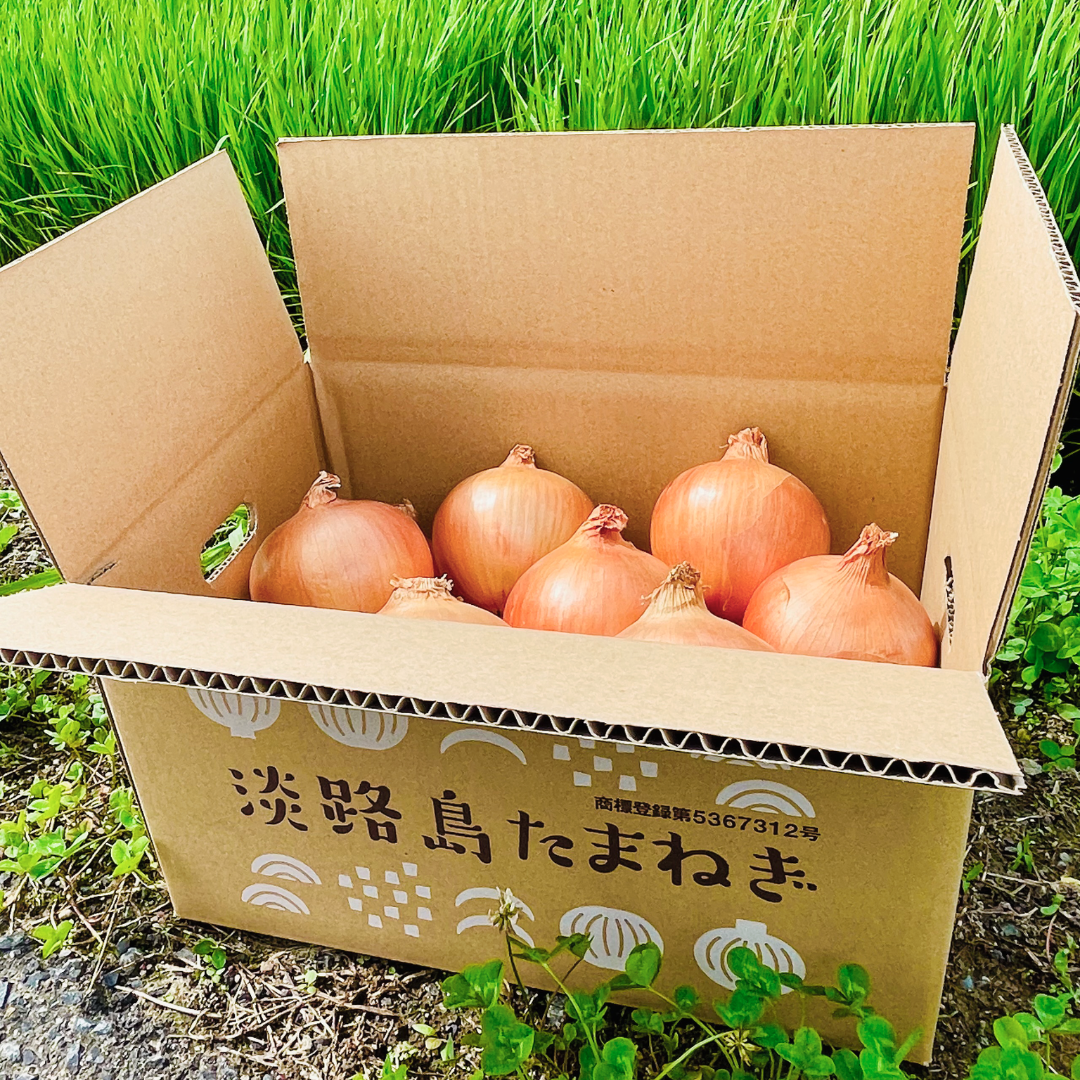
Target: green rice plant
104, 97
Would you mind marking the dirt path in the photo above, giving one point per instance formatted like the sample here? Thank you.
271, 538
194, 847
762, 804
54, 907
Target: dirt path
51, 1028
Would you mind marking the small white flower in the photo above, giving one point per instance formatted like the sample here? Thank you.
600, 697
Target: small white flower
505, 916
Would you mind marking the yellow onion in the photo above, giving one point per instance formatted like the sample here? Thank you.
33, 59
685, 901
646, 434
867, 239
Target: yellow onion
677, 614
493, 526
737, 520
433, 598
595, 583
847, 606
339, 553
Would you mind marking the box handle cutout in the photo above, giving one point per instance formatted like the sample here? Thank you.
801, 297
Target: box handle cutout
950, 598
228, 540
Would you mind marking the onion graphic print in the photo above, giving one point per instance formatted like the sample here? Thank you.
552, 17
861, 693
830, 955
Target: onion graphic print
712, 949
364, 729
242, 714
614, 934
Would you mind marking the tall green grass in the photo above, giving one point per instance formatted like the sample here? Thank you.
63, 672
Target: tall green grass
99, 98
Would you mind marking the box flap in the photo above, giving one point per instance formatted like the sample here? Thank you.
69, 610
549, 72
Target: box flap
918, 724
152, 382
1009, 384
625, 300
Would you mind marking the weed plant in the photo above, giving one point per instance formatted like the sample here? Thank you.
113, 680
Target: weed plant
672, 1039
1039, 663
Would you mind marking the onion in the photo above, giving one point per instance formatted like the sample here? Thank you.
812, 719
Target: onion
847, 606
595, 583
677, 614
493, 526
737, 520
339, 553
433, 598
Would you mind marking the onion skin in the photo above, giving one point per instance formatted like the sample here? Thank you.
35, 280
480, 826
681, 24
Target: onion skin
737, 520
677, 614
493, 526
845, 606
433, 598
339, 553
596, 583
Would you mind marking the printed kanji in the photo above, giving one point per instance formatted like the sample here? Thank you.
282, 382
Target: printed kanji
612, 849
624, 806
287, 802
810, 832
337, 808
778, 874
643, 808
336, 794
681, 813
378, 806
453, 819
661, 811
248, 808
673, 861
603, 802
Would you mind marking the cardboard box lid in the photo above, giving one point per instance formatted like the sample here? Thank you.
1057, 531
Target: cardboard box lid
623, 301
1009, 385
920, 724
153, 380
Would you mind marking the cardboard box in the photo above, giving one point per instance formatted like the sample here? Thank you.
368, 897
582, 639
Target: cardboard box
621, 301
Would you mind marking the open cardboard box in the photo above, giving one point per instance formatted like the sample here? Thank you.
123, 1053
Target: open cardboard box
621, 301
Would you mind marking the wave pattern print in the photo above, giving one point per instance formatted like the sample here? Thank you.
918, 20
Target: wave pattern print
275, 897
766, 797
487, 892
285, 867
492, 738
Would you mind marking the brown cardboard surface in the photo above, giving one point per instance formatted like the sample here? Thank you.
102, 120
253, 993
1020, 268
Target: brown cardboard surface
1011, 374
154, 382
869, 875
627, 299
640, 431
884, 711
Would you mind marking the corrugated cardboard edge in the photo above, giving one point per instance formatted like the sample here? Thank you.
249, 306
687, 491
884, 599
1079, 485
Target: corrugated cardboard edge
1071, 281
806, 757
632, 131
